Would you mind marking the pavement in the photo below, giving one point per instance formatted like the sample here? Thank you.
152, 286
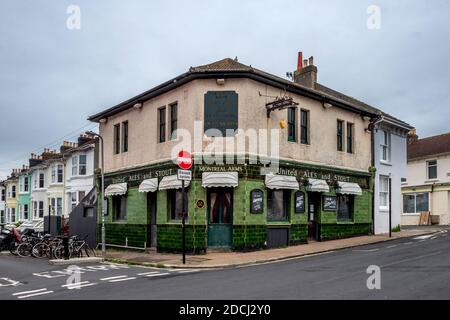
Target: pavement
415, 267
235, 259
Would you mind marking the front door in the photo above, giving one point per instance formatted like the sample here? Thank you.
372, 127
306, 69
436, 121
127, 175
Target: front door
313, 214
151, 211
220, 217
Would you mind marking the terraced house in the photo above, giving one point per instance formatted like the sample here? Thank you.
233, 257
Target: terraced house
2, 204
322, 188
11, 187
23, 200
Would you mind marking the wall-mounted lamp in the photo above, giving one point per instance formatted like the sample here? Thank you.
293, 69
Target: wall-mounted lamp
137, 105
220, 82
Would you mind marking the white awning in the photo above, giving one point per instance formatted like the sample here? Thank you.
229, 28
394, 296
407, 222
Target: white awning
171, 182
349, 188
219, 179
116, 189
281, 182
318, 185
149, 185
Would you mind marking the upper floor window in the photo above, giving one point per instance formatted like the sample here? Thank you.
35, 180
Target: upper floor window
57, 173
117, 139
162, 124
79, 165
41, 180
13, 191
292, 124
304, 127
385, 146
349, 137
3, 195
25, 184
432, 169
173, 120
125, 136
340, 135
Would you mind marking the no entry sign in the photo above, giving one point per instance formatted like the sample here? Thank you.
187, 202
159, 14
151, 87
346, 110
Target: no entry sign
184, 160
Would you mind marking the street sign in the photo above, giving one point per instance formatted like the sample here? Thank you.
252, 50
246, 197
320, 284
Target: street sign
184, 160
185, 175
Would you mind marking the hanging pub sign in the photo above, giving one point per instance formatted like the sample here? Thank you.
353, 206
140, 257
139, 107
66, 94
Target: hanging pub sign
329, 203
256, 201
299, 202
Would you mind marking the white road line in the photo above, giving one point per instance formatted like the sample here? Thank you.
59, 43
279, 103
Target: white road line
393, 246
124, 279
82, 286
34, 294
26, 292
424, 237
406, 243
111, 278
368, 250
433, 238
74, 284
146, 273
187, 271
157, 275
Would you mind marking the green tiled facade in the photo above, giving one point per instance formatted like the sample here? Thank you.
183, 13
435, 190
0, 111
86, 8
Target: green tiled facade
249, 230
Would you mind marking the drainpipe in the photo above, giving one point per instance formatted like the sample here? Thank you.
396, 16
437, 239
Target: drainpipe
372, 142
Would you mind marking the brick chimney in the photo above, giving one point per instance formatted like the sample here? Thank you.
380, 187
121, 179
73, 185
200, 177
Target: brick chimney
85, 138
34, 160
306, 73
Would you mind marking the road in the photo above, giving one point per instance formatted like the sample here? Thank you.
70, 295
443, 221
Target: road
411, 268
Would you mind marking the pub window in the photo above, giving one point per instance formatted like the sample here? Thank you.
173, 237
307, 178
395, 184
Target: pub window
173, 120
349, 137
125, 136
304, 127
117, 139
256, 201
432, 169
175, 199
162, 124
292, 124
340, 135
299, 199
345, 207
119, 208
277, 205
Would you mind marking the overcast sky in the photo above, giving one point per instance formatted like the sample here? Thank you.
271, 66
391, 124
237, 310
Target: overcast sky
52, 78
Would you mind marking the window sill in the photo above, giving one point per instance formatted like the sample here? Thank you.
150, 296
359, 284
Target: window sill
410, 214
386, 163
383, 209
346, 222
431, 180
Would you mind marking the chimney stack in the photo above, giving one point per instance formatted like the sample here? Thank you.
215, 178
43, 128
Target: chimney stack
412, 136
306, 73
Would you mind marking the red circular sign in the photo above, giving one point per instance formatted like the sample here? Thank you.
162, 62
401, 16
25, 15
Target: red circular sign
184, 160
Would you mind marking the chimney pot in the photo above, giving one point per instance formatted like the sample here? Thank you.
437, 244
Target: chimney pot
310, 62
305, 62
300, 61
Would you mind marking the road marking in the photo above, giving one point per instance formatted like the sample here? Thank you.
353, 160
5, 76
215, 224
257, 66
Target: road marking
423, 237
26, 292
123, 279
187, 271
146, 273
10, 282
393, 246
111, 278
74, 284
366, 250
433, 238
157, 275
82, 286
406, 243
32, 293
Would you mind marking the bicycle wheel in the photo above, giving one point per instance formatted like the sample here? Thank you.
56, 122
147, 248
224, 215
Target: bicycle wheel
58, 252
13, 249
40, 250
24, 249
88, 250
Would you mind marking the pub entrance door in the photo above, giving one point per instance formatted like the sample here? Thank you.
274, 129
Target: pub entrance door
220, 217
151, 212
314, 204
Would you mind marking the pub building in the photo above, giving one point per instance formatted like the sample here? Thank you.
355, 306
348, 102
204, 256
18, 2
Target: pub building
322, 189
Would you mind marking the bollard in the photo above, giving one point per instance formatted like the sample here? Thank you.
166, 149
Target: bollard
66, 247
